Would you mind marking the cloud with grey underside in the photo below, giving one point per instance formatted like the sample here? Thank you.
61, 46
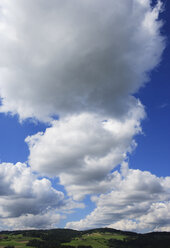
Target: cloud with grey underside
82, 61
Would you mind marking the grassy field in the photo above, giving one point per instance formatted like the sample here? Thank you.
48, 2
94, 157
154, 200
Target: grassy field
19, 241
96, 240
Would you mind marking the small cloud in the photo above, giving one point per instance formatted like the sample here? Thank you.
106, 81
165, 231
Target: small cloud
163, 106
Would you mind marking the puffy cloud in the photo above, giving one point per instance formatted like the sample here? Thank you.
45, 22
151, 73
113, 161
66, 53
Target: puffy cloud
26, 201
61, 57
82, 149
139, 201
80, 60
24, 193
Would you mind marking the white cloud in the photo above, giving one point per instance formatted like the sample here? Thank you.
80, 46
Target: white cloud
26, 201
81, 60
139, 201
61, 57
29, 221
82, 149
24, 193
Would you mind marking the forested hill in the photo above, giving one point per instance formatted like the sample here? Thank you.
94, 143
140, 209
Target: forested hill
94, 238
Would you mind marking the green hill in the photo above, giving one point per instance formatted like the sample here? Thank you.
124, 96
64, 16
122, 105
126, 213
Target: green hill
95, 238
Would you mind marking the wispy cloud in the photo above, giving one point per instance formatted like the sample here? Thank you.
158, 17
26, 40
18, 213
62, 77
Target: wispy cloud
163, 106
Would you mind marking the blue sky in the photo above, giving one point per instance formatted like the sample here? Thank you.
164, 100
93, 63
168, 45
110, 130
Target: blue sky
153, 148
84, 115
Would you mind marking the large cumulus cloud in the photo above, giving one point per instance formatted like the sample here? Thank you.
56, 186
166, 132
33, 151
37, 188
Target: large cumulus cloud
61, 57
82, 61
82, 149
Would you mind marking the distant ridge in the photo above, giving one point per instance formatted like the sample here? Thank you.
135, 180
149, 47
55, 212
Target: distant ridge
103, 230
92, 238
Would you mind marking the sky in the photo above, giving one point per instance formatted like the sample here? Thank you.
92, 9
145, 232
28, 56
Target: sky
84, 114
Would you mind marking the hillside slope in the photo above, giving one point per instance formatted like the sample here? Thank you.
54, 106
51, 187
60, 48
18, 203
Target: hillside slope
95, 238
